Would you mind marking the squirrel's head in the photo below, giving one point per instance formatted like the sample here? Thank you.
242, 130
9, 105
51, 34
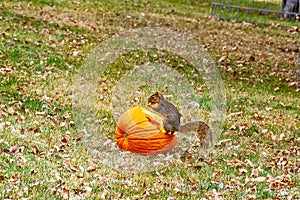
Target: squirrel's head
154, 99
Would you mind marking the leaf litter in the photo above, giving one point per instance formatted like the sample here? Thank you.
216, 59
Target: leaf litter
40, 151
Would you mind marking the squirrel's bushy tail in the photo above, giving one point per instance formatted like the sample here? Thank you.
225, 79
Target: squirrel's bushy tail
202, 130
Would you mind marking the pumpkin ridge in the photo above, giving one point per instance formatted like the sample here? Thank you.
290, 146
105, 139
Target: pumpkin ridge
147, 148
153, 138
154, 142
137, 124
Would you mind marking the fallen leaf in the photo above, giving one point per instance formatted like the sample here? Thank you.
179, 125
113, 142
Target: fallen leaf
10, 111
259, 179
91, 169
64, 140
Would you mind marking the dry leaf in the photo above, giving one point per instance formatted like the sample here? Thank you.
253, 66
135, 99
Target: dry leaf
259, 179
91, 169
10, 111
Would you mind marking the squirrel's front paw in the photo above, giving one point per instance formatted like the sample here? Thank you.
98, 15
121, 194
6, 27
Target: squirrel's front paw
163, 130
170, 132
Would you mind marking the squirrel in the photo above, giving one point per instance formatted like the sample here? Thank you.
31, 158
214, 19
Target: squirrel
172, 117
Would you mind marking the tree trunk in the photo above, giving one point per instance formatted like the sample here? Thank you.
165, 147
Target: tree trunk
290, 8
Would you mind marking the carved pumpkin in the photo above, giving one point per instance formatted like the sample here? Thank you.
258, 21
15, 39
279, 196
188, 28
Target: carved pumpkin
140, 131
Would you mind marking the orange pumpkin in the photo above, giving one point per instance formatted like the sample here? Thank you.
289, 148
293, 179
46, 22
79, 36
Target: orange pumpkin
140, 131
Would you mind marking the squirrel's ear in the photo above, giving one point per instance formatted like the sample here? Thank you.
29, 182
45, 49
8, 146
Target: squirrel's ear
157, 93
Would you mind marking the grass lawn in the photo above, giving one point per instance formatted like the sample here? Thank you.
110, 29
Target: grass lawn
258, 12
43, 44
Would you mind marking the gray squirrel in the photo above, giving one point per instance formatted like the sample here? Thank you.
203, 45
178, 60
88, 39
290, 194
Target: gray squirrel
171, 122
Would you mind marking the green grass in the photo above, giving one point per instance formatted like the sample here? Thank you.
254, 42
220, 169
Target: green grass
244, 11
42, 153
